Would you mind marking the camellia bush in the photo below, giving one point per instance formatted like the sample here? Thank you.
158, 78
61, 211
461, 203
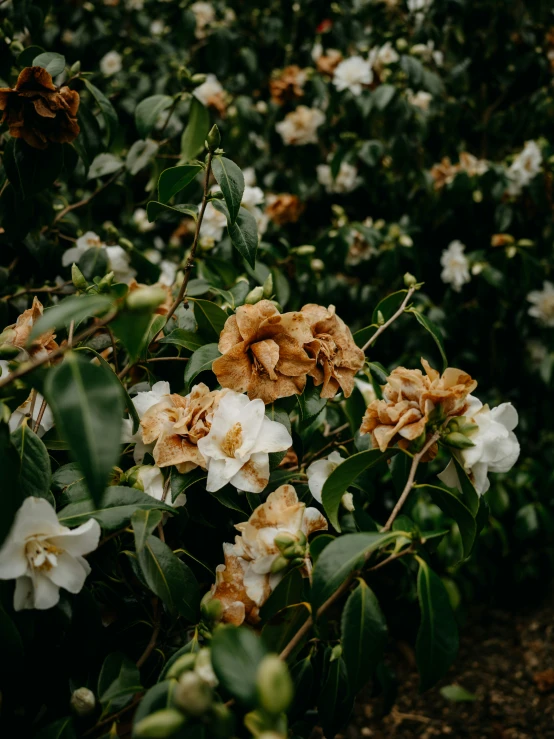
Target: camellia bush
255, 260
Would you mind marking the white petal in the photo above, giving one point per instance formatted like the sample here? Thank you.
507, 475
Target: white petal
71, 256
254, 476
217, 475
318, 472
252, 420
69, 573
79, 541
13, 562
152, 481
47, 594
24, 594
273, 437
255, 586
449, 476
505, 414
35, 517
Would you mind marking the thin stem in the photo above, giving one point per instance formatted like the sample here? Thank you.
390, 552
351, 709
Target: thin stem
391, 319
153, 639
85, 201
54, 289
70, 333
40, 415
114, 350
114, 716
410, 481
169, 114
190, 261
167, 359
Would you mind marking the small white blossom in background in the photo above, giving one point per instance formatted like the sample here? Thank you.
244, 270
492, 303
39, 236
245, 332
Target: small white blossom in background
351, 74
455, 266
239, 443
418, 6
118, 259
251, 199
168, 272
428, 52
496, 448
420, 99
346, 180
524, 168
386, 55
142, 402
208, 90
111, 63
542, 301
367, 390
213, 225
204, 14
319, 471
300, 126
249, 174
140, 220
134, 4
157, 28
43, 556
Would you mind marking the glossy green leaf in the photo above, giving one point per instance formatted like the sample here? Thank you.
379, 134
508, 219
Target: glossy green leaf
53, 63
104, 164
88, 409
144, 521
175, 179
133, 329
74, 308
335, 700
231, 181
469, 494
114, 510
310, 402
200, 361
437, 638
37, 168
94, 262
243, 232
194, 135
180, 482
187, 339
63, 728
289, 591
454, 507
118, 681
435, 332
34, 478
281, 628
236, 656
106, 108
140, 155
148, 111
154, 209
210, 318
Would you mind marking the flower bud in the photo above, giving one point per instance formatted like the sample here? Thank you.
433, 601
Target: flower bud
401, 44
159, 724
254, 296
347, 502
9, 351
274, 685
83, 701
279, 564
221, 724
106, 282
406, 241
192, 694
125, 244
297, 562
146, 298
111, 231
213, 140
182, 664
380, 318
78, 278
458, 440
284, 540
304, 250
211, 608
302, 538
75, 68
409, 280
199, 79
318, 265
268, 286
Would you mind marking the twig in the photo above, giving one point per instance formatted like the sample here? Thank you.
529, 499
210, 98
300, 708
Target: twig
391, 319
70, 333
153, 639
53, 289
115, 362
111, 536
410, 481
167, 359
40, 415
170, 113
84, 201
114, 716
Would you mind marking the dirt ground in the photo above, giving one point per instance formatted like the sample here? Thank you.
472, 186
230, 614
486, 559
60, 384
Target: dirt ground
506, 660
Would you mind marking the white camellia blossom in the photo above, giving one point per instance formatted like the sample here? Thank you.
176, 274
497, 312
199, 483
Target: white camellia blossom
387, 55
111, 63
208, 89
157, 27
150, 478
142, 402
455, 266
44, 556
204, 15
118, 259
346, 180
299, 127
352, 73
140, 219
542, 301
238, 445
420, 99
496, 446
319, 471
524, 168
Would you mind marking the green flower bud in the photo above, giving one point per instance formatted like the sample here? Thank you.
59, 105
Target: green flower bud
125, 244
268, 286
254, 296
78, 278
304, 250
458, 440
284, 540
221, 724
274, 685
83, 701
184, 663
468, 428
192, 694
199, 79
75, 68
211, 608
380, 318
279, 564
297, 562
159, 724
9, 351
409, 280
302, 539
106, 282
146, 298
213, 140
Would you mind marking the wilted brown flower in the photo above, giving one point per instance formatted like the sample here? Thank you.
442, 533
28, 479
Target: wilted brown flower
245, 581
284, 208
328, 62
176, 424
18, 333
263, 352
409, 397
337, 358
287, 84
502, 240
39, 112
445, 172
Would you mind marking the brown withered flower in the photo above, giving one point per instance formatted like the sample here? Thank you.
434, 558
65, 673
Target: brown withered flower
287, 84
337, 358
176, 424
263, 352
39, 112
444, 172
408, 399
284, 208
18, 333
328, 62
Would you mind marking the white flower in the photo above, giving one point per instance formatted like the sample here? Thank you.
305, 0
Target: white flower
496, 446
111, 63
317, 51
140, 219
44, 556
118, 259
543, 304
134, 4
46, 422
319, 471
300, 126
345, 181
157, 28
237, 448
142, 402
352, 73
204, 15
419, 99
367, 390
524, 168
168, 272
387, 55
249, 174
455, 266
208, 89
150, 478
417, 6
251, 199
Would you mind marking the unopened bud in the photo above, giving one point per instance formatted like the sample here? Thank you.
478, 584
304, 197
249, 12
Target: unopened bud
111, 231
318, 265
221, 724
146, 298
409, 280
83, 701
297, 561
75, 68
347, 502
254, 296
192, 694
182, 664
284, 540
304, 250
106, 282
268, 286
458, 440
274, 685
213, 140
198, 79
380, 318
159, 724
9, 351
279, 564
125, 244
211, 608
78, 278
302, 539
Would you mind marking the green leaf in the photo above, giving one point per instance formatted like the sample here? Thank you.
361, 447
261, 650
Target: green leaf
88, 409
454, 507
283, 627
236, 656
310, 402
104, 164
341, 557
175, 179
61, 729
144, 522
53, 63
231, 181
74, 308
154, 209
344, 475
243, 232
437, 638
187, 339
335, 700
382, 96
470, 495
37, 168
34, 478
434, 331
28, 55
157, 698
134, 330
210, 318
200, 361
363, 634
289, 591
169, 578
140, 154
457, 694
114, 510
94, 262
194, 135
118, 681
180, 482
147, 112
12, 497
106, 108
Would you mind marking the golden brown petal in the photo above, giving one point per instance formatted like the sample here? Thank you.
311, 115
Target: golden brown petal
234, 368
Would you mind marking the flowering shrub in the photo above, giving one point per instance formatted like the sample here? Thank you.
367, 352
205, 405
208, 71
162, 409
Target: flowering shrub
209, 218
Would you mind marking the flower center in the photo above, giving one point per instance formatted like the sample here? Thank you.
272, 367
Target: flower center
232, 440
42, 555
